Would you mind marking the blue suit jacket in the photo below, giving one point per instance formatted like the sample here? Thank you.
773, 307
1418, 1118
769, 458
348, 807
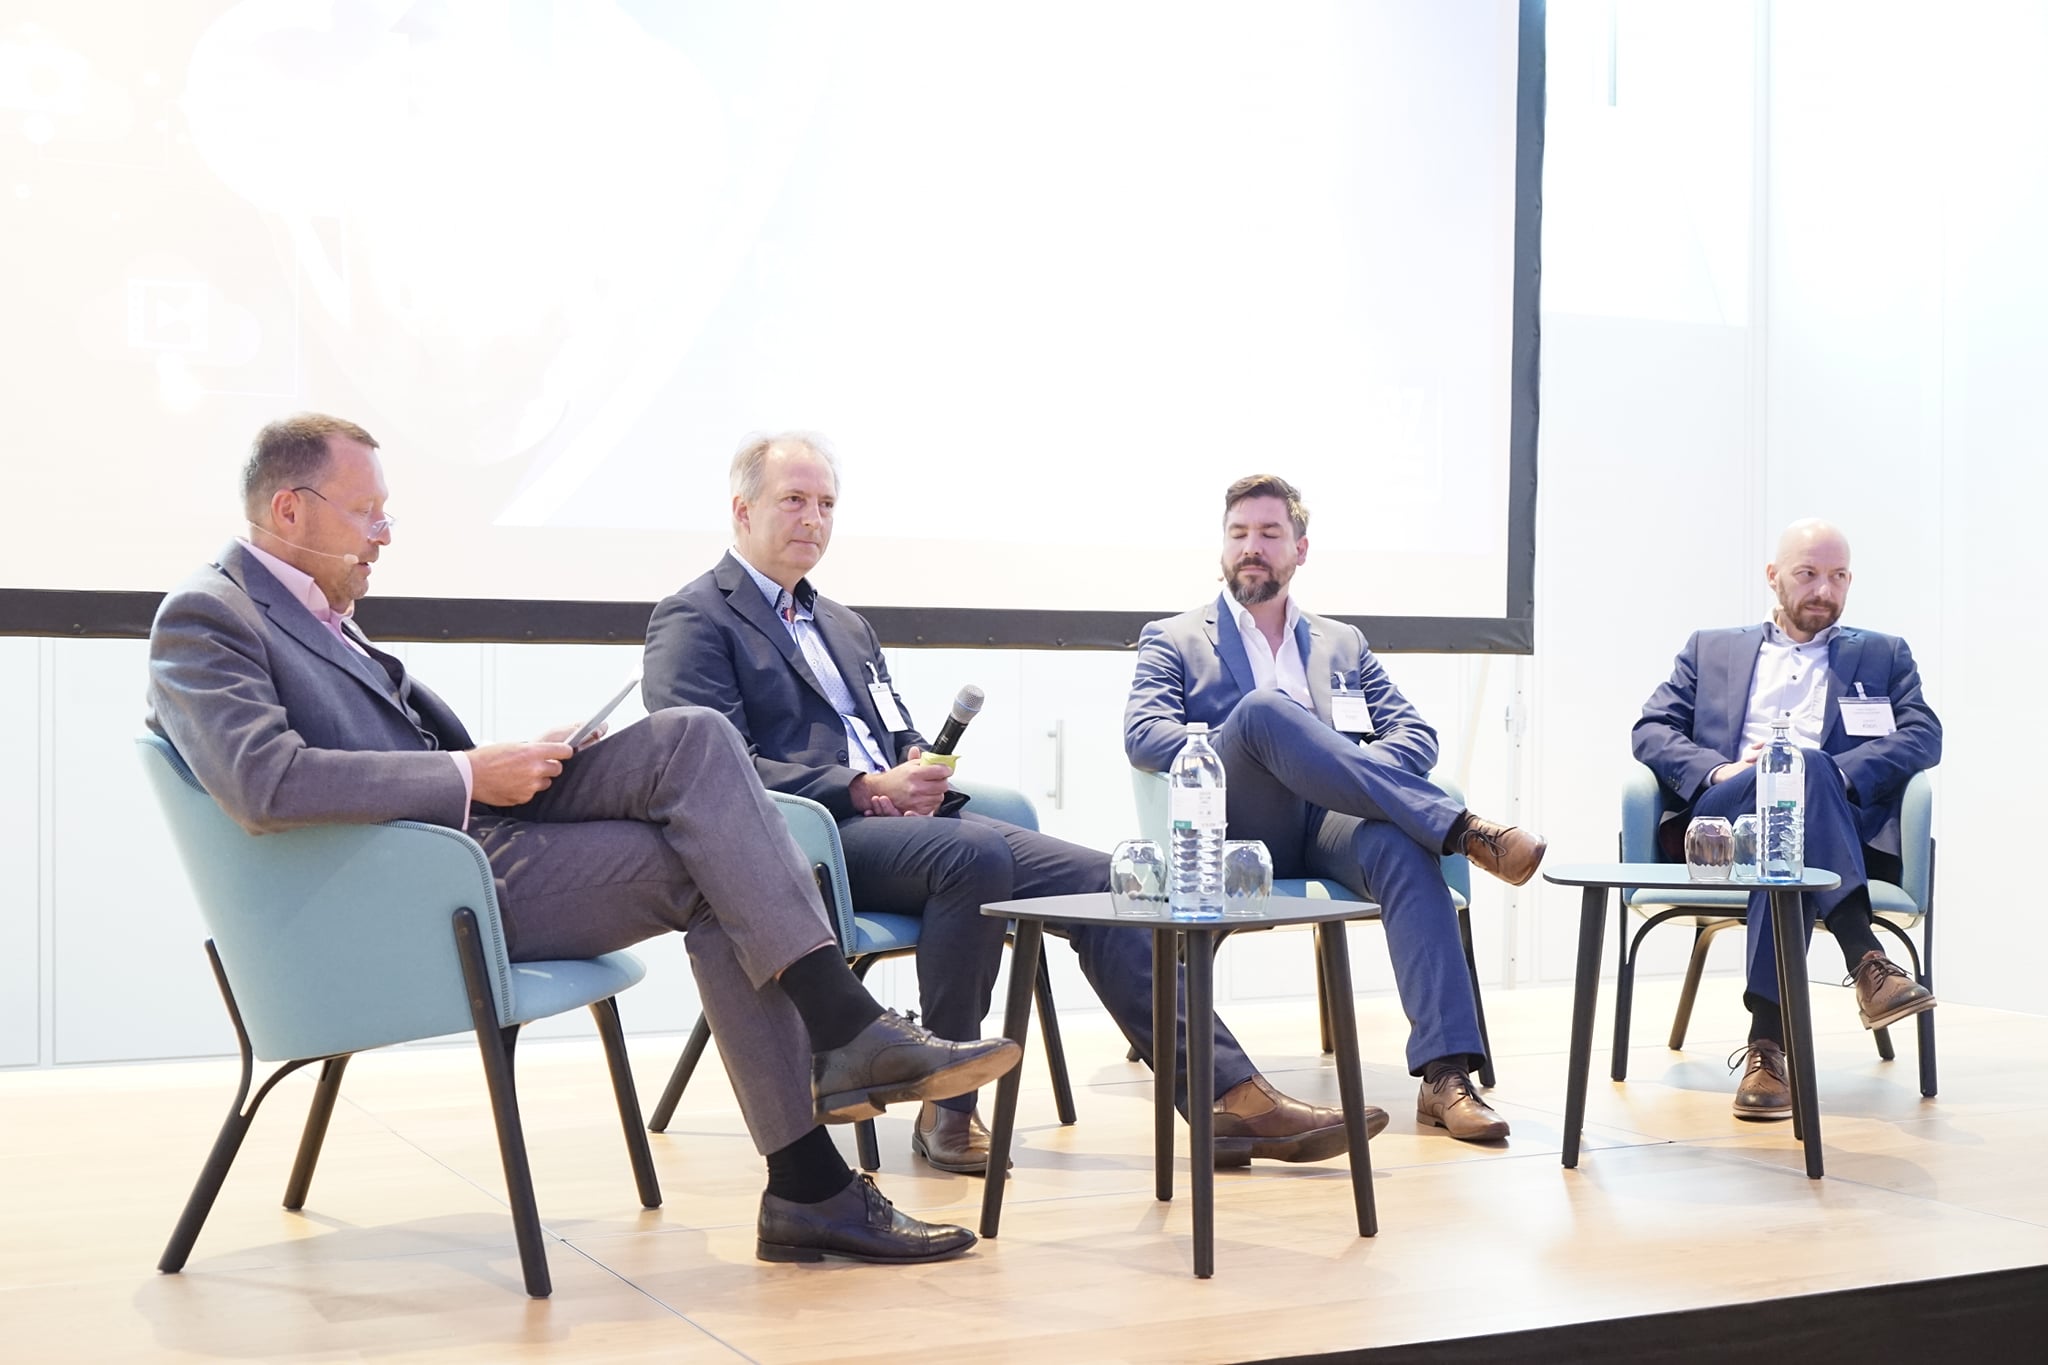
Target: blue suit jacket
1693, 723
718, 643
1193, 667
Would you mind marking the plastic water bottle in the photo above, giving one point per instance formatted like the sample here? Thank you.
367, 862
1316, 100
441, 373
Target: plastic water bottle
1194, 874
1781, 808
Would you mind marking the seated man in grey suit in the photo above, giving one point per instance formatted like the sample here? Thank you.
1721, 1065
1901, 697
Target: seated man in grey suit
1702, 732
1327, 763
803, 680
289, 716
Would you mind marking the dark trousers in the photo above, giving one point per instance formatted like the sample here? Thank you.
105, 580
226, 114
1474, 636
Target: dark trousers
1324, 807
1832, 842
944, 870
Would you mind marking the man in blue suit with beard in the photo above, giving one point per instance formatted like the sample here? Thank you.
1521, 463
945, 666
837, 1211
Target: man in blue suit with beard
1329, 765
1702, 731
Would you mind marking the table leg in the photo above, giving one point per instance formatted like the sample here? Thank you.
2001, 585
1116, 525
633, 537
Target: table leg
1786, 908
1585, 993
1202, 1095
1335, 954
1165, 1048
1024, 956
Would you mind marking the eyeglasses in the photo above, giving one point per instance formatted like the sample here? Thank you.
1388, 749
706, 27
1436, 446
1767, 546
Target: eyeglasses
373, 528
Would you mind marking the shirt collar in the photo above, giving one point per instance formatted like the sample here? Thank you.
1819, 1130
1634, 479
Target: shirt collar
806, 596
299, 584
1774, 635
1243, 614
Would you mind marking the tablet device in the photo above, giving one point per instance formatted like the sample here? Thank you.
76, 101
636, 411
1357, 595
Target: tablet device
589, 727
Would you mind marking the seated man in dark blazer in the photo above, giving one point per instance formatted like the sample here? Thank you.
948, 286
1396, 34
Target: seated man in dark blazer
1328, 765
289, 716
803, 680
1702, 731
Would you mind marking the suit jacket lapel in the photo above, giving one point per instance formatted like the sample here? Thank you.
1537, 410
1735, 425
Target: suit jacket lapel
1317, 659
744, 596
290, 615
1728, 683
1222, 628
1845, 656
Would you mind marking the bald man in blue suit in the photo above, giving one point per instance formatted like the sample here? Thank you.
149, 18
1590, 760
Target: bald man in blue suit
1701, 733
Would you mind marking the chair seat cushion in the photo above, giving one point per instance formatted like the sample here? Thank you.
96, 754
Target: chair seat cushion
1730, 902
882, 933
540, 989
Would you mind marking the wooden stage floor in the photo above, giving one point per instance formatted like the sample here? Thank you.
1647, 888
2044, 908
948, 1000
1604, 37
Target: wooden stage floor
405, 1249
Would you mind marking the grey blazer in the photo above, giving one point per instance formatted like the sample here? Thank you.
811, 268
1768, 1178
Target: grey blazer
282, 723
1192, 667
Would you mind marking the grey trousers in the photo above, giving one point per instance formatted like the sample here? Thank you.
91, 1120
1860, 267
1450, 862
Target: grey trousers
664, 827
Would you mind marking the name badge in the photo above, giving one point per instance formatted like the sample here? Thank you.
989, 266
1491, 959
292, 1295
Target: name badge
1867, 717
1350, 714
885, 702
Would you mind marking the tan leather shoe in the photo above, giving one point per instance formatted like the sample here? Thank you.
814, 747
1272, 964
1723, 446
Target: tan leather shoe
951, 1140
1766, 1088
1255, 1120
1885, 993
1509, 852
1454, 1106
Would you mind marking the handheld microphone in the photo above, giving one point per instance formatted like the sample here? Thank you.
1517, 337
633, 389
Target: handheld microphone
966, 707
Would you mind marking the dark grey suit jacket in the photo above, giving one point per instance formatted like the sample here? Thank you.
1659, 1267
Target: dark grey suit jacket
718, 643
282, 723
1693, 723
1192, 667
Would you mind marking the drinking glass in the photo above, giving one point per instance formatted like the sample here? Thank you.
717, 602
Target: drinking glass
1137, 879
1247, 878
1709, 849
1748, 847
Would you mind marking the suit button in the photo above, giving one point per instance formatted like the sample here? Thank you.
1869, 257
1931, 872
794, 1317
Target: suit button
842, 756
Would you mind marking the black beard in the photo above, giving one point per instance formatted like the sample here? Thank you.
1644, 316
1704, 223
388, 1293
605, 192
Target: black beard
1251, 594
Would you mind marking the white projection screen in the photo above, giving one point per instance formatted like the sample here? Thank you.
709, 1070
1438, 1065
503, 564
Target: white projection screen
1047, 274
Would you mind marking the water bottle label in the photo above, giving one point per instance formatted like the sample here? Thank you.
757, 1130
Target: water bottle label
1196, 807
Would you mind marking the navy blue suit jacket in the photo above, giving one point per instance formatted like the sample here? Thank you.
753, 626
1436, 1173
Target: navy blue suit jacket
1192, 667
718, 643
1693, 723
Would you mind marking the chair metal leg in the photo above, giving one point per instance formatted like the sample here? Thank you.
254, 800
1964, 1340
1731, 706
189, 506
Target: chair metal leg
496, 1044
232, 1130
866, 1145
1624, 1011
686, 1066
1478, 1001
1703, 939
317, 1115
606, 1012
1055, 1050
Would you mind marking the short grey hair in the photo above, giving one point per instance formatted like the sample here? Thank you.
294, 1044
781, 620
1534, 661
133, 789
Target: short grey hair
292, 452
750, 461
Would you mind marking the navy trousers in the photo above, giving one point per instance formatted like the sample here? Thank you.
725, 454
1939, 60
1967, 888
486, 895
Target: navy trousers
944, 870
1832, 842
1324, 807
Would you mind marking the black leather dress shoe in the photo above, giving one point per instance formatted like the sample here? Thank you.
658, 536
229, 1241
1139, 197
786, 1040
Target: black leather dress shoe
953, 1140
893, 1060
1255, 1120
856, 1224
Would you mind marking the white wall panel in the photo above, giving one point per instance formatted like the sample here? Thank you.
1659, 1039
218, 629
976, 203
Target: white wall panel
21, 837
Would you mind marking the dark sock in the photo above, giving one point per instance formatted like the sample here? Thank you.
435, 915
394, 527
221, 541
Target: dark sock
833, 1003
1766, 1020
1445, 1066
959, 1104
1850, 924
809, 1170
1454, 841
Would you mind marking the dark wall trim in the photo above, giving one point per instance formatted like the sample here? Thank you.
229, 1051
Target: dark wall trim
126, 615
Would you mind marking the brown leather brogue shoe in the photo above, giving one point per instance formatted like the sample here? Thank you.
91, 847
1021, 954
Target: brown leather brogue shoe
1509, 852
1766, 1088
951, 1140
1885, 993
1454, 1106
1253, 1120
856, 1224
